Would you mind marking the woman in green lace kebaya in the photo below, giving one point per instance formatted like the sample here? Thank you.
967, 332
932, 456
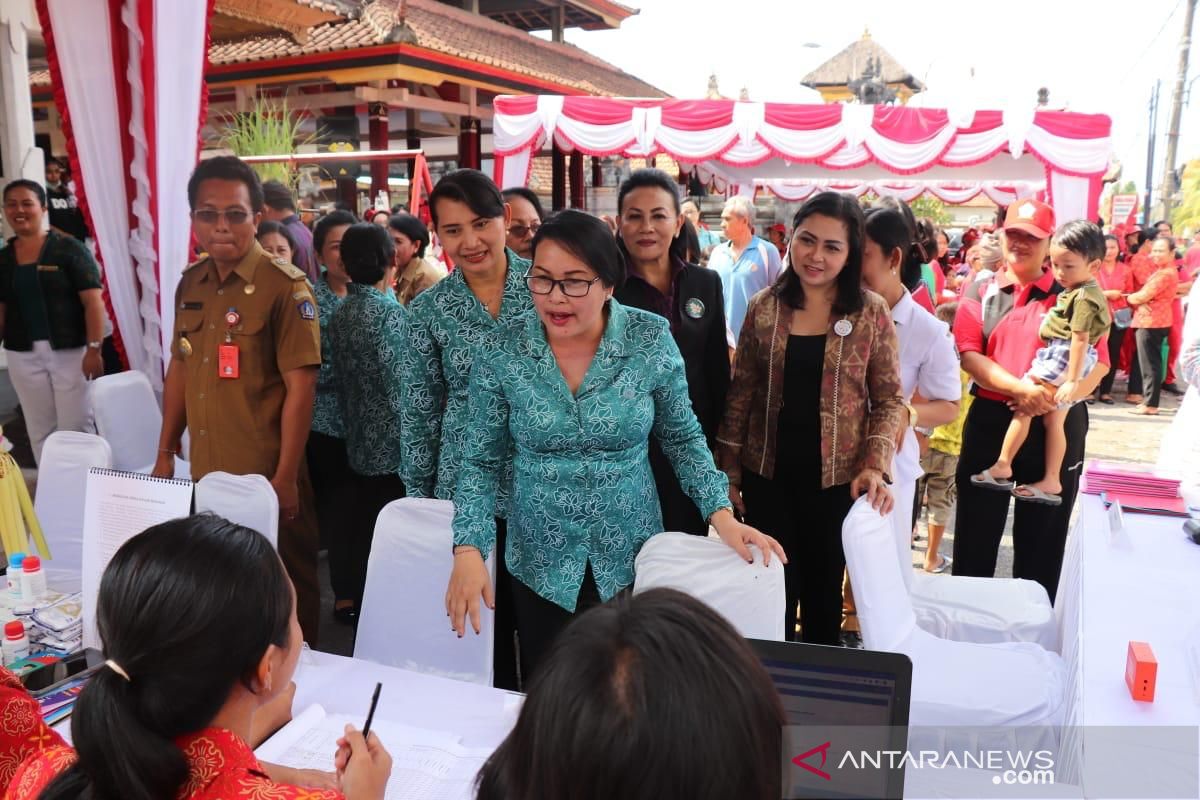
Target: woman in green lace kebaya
572, 395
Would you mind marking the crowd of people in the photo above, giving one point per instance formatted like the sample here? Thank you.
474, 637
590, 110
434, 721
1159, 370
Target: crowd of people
574, 385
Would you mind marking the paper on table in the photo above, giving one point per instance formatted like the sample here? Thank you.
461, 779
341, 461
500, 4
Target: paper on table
426, 765
118, 506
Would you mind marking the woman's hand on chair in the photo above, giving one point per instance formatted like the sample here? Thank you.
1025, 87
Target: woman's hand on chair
469, 581
870, 482
738, 535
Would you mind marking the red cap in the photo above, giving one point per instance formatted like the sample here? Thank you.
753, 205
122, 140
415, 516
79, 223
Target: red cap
778, 228
31, 564
1031, 216
14, 629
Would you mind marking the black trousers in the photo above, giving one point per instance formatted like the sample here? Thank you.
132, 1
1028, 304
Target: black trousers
539, 621
1116, 337
333, 486
505, 672
1150, 358
353, 547
1039, 531
807, 522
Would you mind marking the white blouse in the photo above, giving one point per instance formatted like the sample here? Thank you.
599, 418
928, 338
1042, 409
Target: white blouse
928, 365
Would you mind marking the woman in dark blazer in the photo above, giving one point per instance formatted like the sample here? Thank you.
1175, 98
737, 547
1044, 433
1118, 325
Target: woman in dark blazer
659, 279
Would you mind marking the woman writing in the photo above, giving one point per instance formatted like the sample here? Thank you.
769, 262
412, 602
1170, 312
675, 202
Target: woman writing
815, 408
660, 280
996, 331
326, 447
574, 392
1116, 281
51, 317
171, 712
1152, 318
929, 376
446, 324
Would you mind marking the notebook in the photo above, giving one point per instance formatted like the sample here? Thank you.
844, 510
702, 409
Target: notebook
118, 506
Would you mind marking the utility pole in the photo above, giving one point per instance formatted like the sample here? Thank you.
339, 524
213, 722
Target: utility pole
1153, 117
1170, 187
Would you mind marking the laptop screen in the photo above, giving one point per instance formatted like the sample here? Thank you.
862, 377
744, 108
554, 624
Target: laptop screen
835, 701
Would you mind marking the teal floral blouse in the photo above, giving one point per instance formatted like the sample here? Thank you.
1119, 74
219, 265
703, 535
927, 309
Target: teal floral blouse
368, 336
582, 487
327, 417
445, 324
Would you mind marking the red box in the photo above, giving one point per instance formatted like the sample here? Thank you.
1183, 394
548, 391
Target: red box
1141, 670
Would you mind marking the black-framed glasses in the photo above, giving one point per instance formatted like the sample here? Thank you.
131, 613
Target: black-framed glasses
571, 287
521, 231
233, 216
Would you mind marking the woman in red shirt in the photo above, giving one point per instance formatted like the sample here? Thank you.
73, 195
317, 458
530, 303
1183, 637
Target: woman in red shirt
1152, 318
198, 620
1115, 279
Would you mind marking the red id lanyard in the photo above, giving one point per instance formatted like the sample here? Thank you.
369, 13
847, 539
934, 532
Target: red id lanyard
227, 353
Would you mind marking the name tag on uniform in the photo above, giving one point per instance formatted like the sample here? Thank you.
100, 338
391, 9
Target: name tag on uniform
191, 305
227, 361
47, 268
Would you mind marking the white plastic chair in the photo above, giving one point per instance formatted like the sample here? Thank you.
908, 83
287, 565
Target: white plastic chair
969, 609
402, 622
247, 500
750, 596
58, 502
1018, 685
128, 416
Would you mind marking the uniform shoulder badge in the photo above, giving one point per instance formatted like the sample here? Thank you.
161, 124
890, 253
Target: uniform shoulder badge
289, 269
307, 309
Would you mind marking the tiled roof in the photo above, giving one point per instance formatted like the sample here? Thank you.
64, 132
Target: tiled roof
453, 31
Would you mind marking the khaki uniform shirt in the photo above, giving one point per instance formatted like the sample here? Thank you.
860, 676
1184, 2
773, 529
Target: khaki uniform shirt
417, 276
235, 422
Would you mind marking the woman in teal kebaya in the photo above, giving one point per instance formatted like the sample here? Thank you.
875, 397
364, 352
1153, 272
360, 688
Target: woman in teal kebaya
572, 395
445, 325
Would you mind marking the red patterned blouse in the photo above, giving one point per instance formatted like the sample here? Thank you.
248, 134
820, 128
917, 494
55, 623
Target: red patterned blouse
222, 766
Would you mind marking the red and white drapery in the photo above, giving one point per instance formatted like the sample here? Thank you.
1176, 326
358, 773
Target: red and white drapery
746, 141
129, 86
1000, 193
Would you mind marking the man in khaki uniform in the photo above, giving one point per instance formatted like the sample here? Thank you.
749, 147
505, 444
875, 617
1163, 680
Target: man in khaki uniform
244, 360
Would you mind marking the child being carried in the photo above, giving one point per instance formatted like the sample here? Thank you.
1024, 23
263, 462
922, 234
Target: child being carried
1070, 331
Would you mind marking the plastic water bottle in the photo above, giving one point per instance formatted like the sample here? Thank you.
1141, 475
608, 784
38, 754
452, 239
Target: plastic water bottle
33, 581
16, 643
14, 576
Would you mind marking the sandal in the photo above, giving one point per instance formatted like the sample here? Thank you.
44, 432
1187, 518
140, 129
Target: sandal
1036, 495
943, 565
1107, 399
987, 481
1144, 411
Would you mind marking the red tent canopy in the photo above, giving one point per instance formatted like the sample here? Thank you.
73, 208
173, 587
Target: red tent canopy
740, 142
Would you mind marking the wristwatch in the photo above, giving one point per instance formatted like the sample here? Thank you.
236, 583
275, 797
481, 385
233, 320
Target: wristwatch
912, 415
95, 345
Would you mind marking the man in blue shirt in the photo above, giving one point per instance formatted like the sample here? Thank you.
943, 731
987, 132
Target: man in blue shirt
746, 263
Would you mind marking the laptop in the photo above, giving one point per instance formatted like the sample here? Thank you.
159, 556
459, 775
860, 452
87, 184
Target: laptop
855, 702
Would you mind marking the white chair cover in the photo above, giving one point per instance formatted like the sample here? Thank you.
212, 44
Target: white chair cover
58, 502
970, 609
750, 596
1013, 684
128, 416
403, 621
248, 500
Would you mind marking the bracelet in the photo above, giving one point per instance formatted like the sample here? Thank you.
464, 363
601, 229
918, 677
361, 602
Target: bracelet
465, 548
718, 511
168, 452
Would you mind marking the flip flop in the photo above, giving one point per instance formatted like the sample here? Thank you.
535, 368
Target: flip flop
985, 480
942, 566
1036, 495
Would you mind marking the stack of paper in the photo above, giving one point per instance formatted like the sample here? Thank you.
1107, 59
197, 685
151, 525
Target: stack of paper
54, 626
426, 764
1139, 488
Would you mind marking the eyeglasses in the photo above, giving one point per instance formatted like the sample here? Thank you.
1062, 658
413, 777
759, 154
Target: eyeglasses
521, 231
571, 287
233, 216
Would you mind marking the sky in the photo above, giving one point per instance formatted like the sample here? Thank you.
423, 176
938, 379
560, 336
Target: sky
1095, 57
